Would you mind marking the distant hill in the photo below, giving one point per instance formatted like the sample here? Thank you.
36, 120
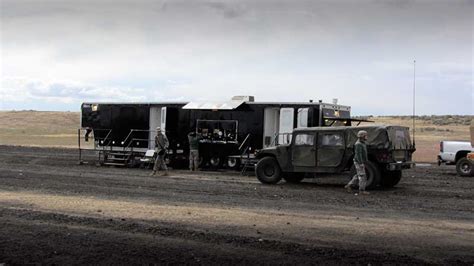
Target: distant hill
438, 120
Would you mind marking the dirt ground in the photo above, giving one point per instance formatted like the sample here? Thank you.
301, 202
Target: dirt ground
54, 211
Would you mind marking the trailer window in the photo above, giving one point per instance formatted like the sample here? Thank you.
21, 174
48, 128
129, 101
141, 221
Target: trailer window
217, 130
304, 140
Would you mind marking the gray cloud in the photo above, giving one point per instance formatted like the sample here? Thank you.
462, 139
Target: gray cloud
350, 50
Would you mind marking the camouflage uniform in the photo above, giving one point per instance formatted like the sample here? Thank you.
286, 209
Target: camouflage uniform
161, 144
193, 151
360, 157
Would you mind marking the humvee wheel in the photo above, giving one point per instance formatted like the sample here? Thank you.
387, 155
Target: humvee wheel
293, 178
372, 173
464, 167
268, 171
391, 178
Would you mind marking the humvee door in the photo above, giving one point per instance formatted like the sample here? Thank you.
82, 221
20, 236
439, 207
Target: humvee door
330, 149
303, 152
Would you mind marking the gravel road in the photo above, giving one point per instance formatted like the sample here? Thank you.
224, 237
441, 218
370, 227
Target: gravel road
54, 211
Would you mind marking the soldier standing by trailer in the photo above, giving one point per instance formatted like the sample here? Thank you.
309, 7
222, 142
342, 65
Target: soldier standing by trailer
360, 158
193, 139
161, 144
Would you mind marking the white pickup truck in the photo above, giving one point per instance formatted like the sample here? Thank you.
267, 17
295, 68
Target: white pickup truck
460, 153
451, 151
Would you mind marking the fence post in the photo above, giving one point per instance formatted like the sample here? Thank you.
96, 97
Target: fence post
79, 144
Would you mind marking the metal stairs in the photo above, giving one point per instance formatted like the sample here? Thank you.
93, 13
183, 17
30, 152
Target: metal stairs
116, 158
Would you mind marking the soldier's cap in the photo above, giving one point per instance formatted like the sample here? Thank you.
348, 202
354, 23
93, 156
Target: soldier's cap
158, 128
362, 133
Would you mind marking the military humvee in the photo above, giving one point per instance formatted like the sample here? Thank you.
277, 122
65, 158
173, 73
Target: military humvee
330, 150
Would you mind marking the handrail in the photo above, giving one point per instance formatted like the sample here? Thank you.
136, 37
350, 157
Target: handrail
129, 134
128, 144
243, 142
106, 137
281, 134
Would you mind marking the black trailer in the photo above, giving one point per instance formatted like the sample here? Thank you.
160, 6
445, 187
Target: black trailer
123, 132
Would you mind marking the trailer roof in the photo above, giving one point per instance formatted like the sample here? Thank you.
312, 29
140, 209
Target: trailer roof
140, 103
226, 105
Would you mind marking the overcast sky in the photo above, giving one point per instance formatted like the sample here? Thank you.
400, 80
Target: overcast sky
57, 54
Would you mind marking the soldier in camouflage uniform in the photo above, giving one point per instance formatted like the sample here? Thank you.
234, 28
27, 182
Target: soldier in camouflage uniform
360, 158
193, 139
161, 144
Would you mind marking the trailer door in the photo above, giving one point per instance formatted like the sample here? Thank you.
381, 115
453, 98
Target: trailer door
302, 117
270, 126
156, 120
286, 125
163, 119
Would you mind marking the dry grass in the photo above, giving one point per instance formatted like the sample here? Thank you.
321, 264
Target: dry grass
32, 128
59, 129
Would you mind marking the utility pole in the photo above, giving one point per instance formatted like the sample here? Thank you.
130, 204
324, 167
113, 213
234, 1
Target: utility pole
414, 100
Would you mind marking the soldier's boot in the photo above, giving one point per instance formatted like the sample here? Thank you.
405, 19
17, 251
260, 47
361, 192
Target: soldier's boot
348, 188
153, 173
165, 173
363, 192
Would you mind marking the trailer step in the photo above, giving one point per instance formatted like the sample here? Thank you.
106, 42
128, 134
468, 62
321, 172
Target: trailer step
119, 153
117, 159
114, 164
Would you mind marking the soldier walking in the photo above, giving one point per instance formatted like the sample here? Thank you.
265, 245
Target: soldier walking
360, 158
193, 139
161, 144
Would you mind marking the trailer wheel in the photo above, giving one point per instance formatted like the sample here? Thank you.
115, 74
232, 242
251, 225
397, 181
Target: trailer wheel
293, 178
464, 167
372, 172
233, 163
201, 162
215, 161
391, 178
268, 171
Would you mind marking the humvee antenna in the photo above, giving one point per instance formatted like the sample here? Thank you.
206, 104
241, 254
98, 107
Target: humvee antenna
414, 90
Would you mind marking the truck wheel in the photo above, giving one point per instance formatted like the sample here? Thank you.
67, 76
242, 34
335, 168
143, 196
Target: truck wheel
268, 171
372, 173
464, 167
391, 178
293, 178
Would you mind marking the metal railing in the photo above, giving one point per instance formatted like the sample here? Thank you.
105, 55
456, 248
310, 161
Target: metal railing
127, 144
286, 139
104, 144
100, 143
